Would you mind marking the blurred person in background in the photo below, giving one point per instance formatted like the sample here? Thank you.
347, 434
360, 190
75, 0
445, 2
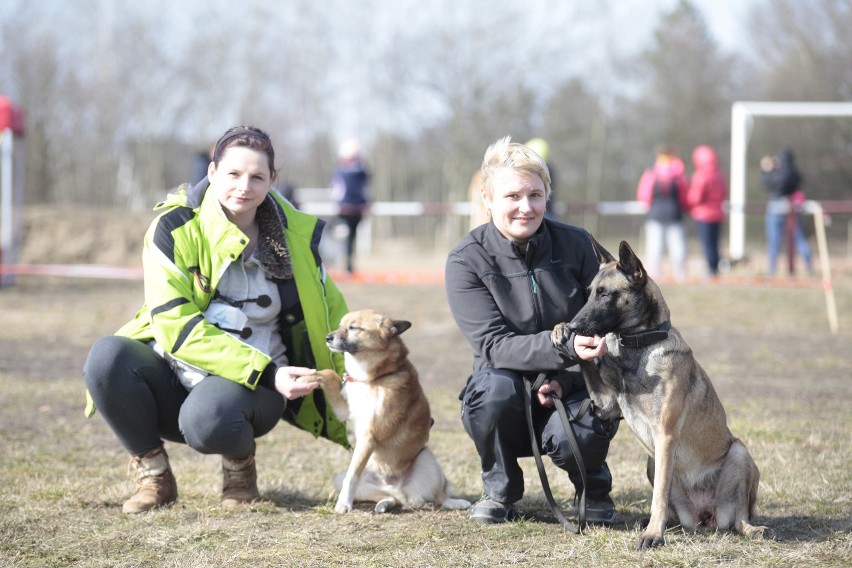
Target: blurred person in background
663, 189
350, 190
541, 147
508, 283
237, 307
783, 181
708, 190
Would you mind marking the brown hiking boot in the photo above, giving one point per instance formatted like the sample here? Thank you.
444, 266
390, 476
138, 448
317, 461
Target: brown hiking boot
239, 481
155, 484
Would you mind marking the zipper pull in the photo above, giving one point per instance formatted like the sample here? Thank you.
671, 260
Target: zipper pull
534, 283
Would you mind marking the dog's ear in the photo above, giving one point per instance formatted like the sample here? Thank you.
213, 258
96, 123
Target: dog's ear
630, 265
603, 255
399, 326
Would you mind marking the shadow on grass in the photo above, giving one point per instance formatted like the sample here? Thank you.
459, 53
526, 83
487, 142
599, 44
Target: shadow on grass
294, 501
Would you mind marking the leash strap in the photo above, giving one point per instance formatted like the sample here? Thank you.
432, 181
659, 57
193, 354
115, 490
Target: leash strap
530, 388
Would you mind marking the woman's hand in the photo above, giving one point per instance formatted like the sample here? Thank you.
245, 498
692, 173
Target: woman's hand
589, 348
286, 383
546, 389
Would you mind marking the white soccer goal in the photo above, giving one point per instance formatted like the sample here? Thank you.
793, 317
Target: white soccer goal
742, 119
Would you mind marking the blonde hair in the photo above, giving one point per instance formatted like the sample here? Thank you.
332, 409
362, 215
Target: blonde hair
505, 154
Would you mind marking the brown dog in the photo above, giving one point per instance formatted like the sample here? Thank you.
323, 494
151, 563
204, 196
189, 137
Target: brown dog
390, 418
701, 474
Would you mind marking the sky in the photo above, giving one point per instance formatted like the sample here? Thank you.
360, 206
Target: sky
611, 30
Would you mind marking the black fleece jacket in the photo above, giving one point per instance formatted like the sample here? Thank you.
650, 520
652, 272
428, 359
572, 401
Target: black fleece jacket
506, 304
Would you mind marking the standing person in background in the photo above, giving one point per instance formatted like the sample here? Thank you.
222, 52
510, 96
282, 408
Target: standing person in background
237, 307
350, 185
542, 148
782, 179
663, 189
708, 190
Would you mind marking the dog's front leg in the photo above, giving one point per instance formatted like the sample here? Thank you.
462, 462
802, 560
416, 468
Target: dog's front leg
652, 536
364, 447
606, 403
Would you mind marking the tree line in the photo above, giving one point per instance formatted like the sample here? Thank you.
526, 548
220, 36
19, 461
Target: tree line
120, 97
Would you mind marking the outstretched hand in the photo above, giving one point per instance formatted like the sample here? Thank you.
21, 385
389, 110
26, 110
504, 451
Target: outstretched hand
286, 383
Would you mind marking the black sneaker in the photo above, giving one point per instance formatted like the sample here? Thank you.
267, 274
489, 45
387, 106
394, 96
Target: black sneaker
489, 511
600, 511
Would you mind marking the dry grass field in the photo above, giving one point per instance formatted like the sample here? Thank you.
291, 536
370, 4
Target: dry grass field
785, 381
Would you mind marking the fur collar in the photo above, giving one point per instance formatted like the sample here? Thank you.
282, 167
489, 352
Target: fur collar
272, 251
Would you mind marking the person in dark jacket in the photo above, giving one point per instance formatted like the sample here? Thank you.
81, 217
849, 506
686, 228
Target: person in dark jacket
782, 180
350, 190
509, 282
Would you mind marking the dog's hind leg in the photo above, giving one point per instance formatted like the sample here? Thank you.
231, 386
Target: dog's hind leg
426, 483
736, 492
371, 489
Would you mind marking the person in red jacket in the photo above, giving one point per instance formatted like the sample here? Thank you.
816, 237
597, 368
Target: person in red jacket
663, 189
708, 190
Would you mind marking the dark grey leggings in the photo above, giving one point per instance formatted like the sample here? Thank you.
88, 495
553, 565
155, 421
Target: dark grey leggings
142, 400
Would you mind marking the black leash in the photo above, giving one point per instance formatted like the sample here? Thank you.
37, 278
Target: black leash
532, 387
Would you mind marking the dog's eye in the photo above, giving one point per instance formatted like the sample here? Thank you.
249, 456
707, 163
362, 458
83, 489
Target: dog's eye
353, 327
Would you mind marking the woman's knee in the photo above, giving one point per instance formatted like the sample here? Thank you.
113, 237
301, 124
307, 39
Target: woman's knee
216, 417
493, 401
493, 390
593, 437
110, 357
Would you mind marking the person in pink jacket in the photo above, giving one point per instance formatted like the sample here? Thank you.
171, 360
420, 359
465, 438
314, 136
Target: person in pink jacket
663, 189
708, 190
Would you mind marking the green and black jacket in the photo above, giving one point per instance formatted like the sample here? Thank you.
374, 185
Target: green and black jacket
187, 249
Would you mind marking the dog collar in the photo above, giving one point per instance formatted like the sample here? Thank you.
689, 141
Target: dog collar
350, 379
645, 338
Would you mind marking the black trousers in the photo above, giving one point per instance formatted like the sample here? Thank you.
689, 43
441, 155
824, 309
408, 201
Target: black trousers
493, 416
351, 222
143, 402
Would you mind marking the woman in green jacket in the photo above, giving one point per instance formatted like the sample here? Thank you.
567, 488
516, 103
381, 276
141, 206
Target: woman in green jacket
237, 307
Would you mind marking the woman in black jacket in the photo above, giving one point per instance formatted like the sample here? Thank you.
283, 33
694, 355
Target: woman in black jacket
509, 282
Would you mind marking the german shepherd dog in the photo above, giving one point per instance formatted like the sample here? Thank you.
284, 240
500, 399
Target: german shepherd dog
389, 414
701, 474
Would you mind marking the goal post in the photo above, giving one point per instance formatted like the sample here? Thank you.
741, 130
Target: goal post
742, 117
11, 185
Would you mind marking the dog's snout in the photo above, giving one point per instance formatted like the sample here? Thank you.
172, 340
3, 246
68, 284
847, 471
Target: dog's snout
329, 337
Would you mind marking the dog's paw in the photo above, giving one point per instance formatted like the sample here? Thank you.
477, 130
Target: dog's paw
648, 540
341, 508
560, 334
758, 531
325, 377
386, 505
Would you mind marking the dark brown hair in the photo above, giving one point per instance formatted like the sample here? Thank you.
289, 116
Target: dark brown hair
246, 137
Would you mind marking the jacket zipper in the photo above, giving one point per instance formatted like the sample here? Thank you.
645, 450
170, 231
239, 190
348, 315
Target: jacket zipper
534, 293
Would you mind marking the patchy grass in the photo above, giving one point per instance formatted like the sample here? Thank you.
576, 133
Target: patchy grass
784, 380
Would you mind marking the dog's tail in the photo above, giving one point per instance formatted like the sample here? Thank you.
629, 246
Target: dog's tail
448, 502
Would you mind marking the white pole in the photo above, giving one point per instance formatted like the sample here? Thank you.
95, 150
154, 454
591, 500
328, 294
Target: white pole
7, 240
736, 219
